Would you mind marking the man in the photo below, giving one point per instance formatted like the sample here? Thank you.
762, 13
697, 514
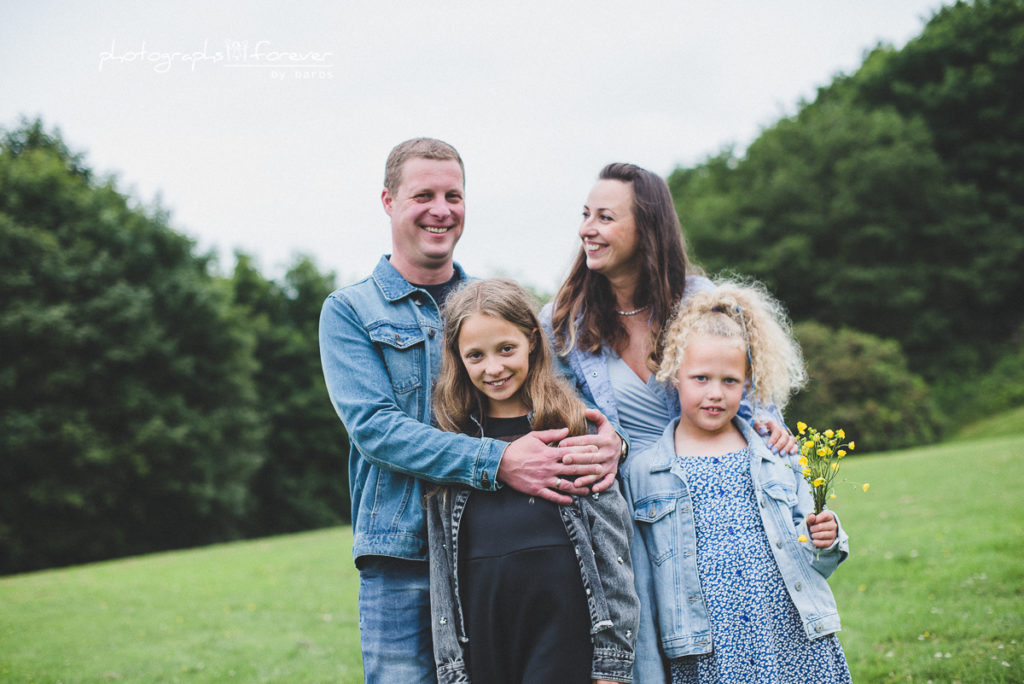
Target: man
380, 345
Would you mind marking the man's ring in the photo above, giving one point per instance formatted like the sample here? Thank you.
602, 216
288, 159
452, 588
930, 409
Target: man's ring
558, 483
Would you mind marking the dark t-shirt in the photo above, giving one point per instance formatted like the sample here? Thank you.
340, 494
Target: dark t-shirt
505, 521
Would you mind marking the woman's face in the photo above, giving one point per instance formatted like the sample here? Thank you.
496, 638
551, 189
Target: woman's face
608, 230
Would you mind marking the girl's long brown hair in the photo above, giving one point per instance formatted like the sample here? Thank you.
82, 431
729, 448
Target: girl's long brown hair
584, 310
552, 401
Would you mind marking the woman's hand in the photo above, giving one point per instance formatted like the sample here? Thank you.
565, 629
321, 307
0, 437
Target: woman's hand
823, 528
779, 439
595, 469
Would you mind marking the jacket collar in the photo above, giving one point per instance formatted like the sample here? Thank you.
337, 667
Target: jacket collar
665, 451
391, 283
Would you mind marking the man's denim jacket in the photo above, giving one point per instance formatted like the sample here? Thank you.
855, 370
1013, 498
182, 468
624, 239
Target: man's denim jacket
674, 622
599, 528
380, 346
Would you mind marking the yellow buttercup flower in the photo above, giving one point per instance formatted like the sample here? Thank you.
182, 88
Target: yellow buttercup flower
822, 452
805, 472
866, 486
802, 461
801, 427
851, 446
829, 434
841, 434
801, 539
840, 453
819, 482
835, 466
809, 444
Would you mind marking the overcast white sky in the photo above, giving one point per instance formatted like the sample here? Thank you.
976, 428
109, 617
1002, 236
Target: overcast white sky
264, 126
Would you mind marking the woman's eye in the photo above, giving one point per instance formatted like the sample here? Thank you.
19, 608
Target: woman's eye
508, 348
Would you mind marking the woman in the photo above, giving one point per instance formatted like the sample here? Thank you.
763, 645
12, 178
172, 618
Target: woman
608, 317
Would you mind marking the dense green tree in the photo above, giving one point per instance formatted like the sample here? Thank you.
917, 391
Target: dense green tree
303, 483
127, 410
861, 383
893, 202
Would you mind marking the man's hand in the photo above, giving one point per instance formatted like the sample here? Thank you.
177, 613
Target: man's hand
530, 466
595, 469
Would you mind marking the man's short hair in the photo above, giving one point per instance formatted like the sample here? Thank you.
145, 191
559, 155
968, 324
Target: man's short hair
425, 148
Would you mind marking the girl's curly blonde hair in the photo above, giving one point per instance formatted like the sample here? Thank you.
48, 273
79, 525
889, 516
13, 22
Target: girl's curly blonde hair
746, 312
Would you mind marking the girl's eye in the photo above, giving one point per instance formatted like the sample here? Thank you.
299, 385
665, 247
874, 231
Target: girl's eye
700, 378
508, 348
586, 214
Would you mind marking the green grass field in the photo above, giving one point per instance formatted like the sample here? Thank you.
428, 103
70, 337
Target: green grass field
933, 591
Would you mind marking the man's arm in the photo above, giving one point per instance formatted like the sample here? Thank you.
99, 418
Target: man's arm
361, 390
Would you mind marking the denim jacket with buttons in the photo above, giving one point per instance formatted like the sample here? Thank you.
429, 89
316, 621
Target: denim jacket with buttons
599, 528
675, 622
380, 347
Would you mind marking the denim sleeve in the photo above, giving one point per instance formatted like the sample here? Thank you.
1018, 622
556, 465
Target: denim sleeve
611, 529
383, 433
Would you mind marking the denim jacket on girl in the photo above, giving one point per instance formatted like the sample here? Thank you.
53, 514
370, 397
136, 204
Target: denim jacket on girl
675, 622
380, 347
599, 528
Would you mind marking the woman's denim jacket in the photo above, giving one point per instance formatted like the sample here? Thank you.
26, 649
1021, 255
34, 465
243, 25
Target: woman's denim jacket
674, 622
599, 528
380, 346
588, 371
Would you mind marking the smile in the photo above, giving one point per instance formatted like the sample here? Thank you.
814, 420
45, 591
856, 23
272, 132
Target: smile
592, 246
498, 384
436, 230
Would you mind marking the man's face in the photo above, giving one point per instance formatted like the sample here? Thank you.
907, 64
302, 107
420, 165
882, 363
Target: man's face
427, 212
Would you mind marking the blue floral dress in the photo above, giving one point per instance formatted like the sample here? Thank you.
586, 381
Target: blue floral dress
756, 631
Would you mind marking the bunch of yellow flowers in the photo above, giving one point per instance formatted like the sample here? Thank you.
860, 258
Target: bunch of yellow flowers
820, 454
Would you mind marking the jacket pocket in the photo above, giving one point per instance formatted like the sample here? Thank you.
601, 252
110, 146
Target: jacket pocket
781, 492
403, 348
655, 523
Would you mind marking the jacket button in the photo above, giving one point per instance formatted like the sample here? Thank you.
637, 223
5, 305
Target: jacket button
431, 333
619, 560
417, 301
798, 586
817, 628
778, 543
629, 633
594, 374
444, 621
588, 591
762, 502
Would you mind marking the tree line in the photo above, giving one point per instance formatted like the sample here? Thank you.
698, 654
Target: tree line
889, 211
145, 402
148, 402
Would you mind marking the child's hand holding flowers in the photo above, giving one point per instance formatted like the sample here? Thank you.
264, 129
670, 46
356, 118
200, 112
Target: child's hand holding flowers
823, 529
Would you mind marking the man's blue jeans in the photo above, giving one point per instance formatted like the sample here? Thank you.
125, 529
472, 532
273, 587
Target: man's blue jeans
394, 621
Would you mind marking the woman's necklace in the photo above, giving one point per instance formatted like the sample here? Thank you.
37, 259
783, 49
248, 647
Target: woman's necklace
634, 312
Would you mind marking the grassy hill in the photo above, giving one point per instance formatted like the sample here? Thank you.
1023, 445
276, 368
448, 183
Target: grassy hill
933, 591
